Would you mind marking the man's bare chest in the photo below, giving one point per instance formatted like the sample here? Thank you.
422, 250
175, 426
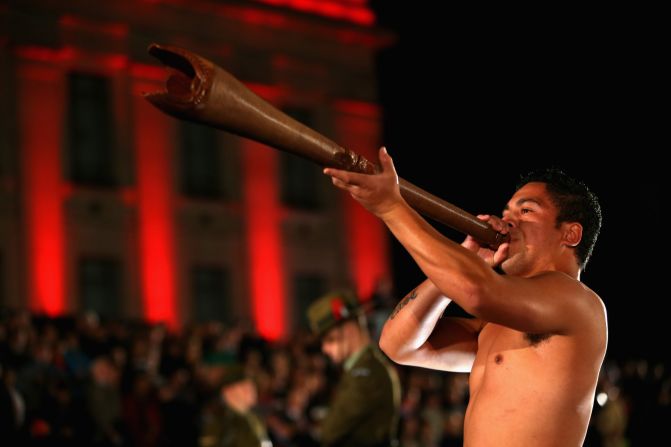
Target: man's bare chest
494, 337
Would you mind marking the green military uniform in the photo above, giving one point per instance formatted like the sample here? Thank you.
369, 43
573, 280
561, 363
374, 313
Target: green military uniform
365, 409
228, 428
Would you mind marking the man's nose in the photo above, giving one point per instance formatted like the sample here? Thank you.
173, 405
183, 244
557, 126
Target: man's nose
509, 221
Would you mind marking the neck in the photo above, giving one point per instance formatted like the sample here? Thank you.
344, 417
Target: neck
236, 401
357, 338
356, 349
567, 266
360, 342
565, 263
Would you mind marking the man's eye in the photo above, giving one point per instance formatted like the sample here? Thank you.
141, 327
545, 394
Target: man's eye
525, 210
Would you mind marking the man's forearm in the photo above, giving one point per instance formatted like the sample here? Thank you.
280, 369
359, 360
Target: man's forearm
413, 320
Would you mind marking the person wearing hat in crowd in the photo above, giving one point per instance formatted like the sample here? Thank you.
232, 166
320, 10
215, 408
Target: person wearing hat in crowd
234, 424
364, 411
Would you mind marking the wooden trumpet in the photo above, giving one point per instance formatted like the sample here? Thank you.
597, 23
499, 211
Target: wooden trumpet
197, 90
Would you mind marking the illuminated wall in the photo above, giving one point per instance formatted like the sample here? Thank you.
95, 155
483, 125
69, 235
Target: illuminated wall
41, 93
142, 220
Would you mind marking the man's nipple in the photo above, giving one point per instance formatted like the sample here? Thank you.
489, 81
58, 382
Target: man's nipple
498, 359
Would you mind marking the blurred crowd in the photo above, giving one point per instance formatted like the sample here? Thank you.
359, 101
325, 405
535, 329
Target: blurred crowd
80, 381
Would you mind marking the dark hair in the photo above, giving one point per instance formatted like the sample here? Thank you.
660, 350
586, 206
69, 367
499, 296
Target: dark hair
575, 203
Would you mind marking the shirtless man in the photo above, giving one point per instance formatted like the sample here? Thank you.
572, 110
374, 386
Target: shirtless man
539, 336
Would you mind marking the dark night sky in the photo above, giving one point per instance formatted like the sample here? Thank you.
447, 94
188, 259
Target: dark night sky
472, 102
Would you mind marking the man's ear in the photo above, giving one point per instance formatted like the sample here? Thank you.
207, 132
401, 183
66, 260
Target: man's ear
572, 234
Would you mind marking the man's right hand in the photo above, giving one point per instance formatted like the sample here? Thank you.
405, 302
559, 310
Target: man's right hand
379, 193
492, 257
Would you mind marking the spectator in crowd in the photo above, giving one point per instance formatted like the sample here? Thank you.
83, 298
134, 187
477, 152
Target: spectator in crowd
233, 423
365, 408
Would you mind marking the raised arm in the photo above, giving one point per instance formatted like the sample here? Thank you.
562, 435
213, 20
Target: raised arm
415, 334
550, 302
547, 303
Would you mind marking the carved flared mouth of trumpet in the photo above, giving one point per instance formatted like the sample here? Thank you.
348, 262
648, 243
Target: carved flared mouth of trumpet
189, 78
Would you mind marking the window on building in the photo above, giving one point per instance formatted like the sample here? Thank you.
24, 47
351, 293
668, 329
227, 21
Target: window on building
200, 162
211, 293
300, 178
307, 288
90, 148
99, 285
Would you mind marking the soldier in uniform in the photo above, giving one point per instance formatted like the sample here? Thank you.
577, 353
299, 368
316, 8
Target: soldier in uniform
233, 424
364, 410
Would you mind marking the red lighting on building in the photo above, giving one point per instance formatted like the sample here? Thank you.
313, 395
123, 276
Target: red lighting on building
148, 72
42, 54
117, 30
357, 124
153, 144
351, 11
40, 121
263, 214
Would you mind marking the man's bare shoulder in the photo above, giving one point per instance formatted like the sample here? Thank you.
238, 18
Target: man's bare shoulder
597, 311
575, 295
571, 286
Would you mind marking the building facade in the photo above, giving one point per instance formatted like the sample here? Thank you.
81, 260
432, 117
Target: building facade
106, 204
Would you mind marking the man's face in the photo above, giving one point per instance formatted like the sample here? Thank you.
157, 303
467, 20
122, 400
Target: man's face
241, 394
335, 343
534, 236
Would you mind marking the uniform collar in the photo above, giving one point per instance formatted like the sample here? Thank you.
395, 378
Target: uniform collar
352, 359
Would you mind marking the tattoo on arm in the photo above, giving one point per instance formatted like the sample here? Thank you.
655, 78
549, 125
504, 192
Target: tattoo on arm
409, 297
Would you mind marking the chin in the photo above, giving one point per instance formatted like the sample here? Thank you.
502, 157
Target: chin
511, 265
516, 266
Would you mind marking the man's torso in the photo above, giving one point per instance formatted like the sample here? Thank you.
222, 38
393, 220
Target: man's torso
531, 389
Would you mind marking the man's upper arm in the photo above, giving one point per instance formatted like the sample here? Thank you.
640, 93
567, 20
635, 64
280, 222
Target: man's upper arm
451, 347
